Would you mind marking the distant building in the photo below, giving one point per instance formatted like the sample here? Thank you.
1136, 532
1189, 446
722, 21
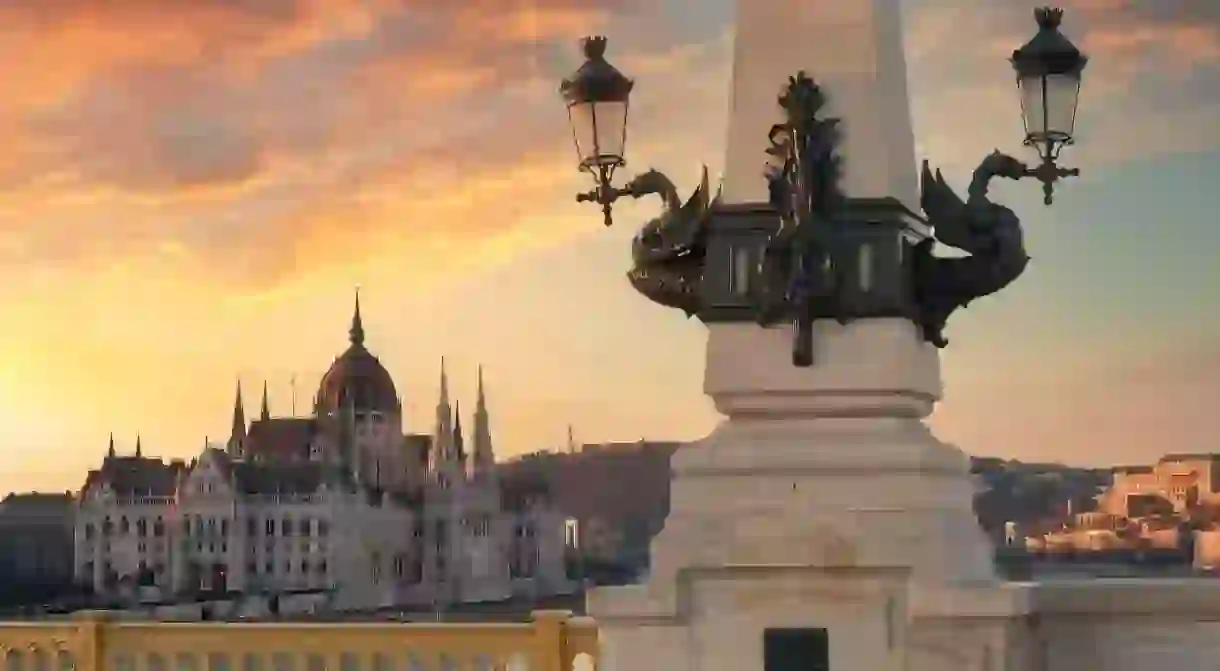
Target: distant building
1176, 482
341, 500
36, 541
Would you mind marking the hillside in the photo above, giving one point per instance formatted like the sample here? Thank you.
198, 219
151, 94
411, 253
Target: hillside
620, 492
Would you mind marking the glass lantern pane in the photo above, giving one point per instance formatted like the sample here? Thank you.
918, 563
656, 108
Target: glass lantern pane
581, 118
1033, 109
611, 130
1062, 92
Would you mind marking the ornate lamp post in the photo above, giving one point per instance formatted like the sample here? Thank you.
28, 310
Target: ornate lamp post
1049, 69
826, 254
598, 97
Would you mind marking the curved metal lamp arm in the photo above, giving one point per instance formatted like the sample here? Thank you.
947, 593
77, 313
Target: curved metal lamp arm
649, 183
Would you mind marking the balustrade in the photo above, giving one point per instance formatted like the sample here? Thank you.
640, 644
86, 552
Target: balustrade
552, 641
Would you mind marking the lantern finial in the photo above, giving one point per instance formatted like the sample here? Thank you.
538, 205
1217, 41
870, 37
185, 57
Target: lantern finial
594, 47
1048, 18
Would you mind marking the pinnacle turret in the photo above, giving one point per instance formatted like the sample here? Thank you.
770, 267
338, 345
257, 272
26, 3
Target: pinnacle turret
356, 333
265, 413
237, 433
484, 453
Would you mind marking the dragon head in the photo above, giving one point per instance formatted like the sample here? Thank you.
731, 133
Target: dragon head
676, 231
668, 250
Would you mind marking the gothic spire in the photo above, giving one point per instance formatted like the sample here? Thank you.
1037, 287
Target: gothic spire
139, 450
356, 332
459, 448
239, 417
444, 400
110, 452
484, 454
442, 439
265, 413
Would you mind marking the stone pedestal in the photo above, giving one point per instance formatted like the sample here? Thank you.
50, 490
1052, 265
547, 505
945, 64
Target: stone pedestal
822, 501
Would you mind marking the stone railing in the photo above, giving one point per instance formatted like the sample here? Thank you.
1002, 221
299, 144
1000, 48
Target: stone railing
553, 641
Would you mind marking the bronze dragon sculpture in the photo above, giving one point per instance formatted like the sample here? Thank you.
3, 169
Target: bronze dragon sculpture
991, 234
668, 252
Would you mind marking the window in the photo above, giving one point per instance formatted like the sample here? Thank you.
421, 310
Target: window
251, 527
305, 524
740, 270
571, 533
865, 261
159, 527
252, 568
375, 561
224, 527
323, 527
269, 568
107, 527
286, 527
400, 566
89, 531
270, 527
124, 526
142, 528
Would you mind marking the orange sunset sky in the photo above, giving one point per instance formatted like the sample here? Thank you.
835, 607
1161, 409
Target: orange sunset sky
190, 190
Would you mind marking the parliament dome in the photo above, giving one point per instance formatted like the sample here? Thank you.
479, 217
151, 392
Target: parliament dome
357, 378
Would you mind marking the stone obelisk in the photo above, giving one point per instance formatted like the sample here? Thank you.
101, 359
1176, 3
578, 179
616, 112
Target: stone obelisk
822, 501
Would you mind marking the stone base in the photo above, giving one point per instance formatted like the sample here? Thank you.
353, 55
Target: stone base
873, 617
821, 501
845, 492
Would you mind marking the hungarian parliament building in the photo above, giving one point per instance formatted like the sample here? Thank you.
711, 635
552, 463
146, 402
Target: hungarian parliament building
342, 500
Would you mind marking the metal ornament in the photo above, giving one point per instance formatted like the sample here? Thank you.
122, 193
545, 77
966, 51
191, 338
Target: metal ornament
800, 263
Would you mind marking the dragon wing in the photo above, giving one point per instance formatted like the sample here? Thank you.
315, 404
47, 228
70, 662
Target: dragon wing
691, 217
946, 211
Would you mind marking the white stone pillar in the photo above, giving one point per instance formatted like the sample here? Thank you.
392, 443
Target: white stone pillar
822, 499
855, 51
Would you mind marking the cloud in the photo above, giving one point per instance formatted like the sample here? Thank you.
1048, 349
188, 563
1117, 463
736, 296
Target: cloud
418, 134
257, 142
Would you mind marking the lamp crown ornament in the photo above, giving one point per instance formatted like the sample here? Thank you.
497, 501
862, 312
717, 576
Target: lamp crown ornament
595, 47
1048, 18
596, 81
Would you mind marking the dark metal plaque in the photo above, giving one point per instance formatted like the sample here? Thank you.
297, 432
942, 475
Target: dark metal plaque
792, 649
